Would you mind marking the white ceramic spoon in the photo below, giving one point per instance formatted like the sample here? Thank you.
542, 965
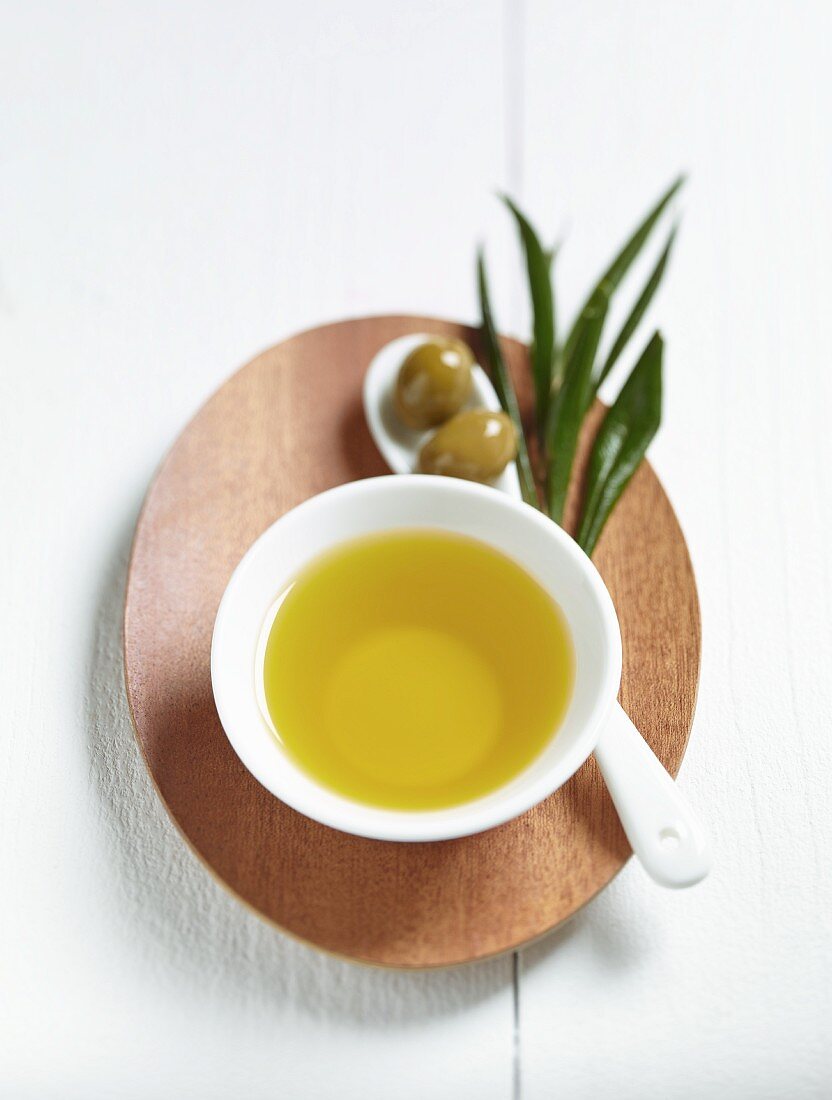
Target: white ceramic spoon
662, 829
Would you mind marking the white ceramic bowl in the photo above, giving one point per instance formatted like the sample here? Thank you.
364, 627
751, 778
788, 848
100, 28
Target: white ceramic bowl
385, 504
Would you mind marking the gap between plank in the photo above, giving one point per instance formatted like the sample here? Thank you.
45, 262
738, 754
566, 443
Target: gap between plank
514, 26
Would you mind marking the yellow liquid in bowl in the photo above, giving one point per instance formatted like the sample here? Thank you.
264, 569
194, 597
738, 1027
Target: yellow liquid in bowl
416, 669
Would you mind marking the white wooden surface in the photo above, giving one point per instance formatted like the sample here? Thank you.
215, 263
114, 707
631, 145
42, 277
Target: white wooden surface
181, 185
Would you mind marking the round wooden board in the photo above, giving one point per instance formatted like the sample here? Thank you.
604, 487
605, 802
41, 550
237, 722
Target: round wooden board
286, 426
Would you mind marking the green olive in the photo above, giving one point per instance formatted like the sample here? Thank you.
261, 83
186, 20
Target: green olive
434, 382
476, 444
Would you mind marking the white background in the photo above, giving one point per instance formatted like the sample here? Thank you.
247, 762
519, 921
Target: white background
183, 184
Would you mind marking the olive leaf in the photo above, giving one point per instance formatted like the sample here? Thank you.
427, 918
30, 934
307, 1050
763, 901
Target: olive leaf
639, 309
570, 403
619, 267
630, 424
504, 385
538, 267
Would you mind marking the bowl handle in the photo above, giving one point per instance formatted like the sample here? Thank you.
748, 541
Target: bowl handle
662, 829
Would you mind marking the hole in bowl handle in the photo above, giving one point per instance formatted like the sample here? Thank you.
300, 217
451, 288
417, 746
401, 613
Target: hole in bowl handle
661, 827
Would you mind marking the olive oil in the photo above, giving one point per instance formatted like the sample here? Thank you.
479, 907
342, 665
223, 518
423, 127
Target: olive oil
416, 669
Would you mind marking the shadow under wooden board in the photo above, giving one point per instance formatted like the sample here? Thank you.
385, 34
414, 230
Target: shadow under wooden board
289, 425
